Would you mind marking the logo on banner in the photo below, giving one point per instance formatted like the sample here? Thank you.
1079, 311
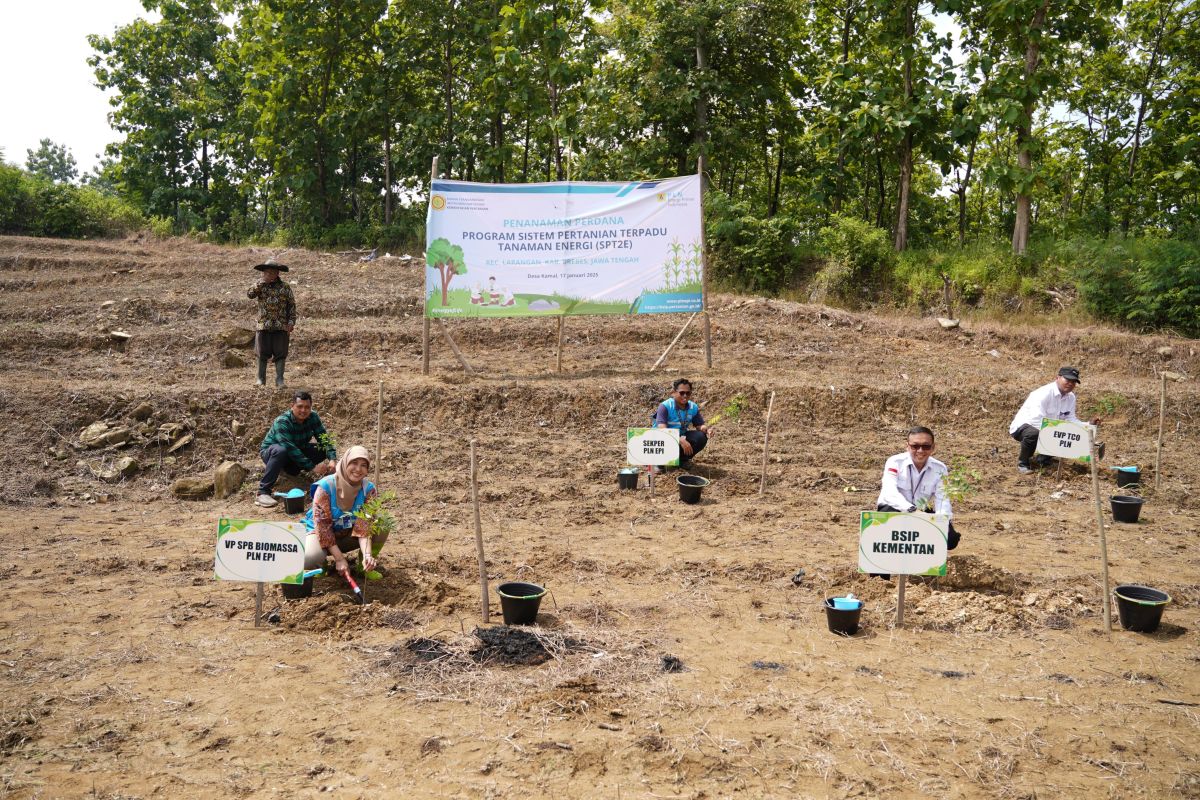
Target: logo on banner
438, 202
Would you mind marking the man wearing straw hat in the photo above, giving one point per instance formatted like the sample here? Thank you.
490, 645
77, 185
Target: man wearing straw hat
276, 318
1055, 400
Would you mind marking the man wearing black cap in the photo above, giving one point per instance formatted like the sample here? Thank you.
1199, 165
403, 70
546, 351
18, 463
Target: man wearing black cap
1055, 400
276, 318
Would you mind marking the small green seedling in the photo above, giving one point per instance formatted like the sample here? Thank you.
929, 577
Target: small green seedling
1108, 404
375, 511
326, 441
732, 410
961, 481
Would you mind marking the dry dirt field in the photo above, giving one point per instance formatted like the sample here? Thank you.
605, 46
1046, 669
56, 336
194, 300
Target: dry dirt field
681, 654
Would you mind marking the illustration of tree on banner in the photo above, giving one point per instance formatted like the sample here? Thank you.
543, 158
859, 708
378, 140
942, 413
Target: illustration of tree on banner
447, 259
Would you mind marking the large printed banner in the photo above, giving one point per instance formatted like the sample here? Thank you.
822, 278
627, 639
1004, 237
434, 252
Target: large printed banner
550, 249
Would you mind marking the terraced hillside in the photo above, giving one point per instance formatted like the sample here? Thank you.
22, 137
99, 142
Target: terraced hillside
683, 651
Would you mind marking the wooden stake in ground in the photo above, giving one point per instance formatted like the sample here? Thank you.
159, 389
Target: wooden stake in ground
762, 484
483, 581
560, 342
453, 346
674, 341
424, 306
258, 598
900, 585
379, 434
1103, 540
1162, 413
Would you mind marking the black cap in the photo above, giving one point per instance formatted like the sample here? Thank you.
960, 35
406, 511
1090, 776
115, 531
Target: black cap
1070, 373
269, 265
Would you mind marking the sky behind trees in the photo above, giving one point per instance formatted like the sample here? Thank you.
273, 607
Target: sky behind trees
49, 91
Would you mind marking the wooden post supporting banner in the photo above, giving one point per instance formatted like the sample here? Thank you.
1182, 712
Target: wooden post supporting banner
762, 484
483, 581
379, 434
457, 353
560, 342
1162, 413
1103, 539
704, 267
900, 600
674, 341
258, 598
651, 481
425, 305
425, 346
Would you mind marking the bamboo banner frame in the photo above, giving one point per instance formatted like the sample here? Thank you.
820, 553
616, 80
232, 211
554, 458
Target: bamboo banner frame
483, 580
1103, 539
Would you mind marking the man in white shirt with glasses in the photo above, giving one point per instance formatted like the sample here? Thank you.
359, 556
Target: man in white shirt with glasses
912, 481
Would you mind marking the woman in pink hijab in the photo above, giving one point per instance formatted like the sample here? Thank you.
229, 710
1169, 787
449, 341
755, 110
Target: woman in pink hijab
332, 525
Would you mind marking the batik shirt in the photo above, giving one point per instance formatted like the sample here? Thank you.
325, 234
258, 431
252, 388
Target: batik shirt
276, 305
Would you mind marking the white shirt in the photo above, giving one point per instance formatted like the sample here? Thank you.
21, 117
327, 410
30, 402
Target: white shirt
909, 489
1046, 401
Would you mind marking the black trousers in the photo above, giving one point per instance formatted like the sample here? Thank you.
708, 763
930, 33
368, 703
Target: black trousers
1027, 435
277, 460
697, 439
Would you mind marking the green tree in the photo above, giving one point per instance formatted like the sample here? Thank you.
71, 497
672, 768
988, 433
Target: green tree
447, 259
52, 161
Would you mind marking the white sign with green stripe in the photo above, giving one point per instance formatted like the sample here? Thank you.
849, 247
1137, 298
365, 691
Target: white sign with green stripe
261, 552
1062, 438
900, 543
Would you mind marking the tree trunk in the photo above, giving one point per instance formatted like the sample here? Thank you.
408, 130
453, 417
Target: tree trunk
839, 177
906, 149
773, 205
1151, 75
387, 176
701, 101
962, 194
1021, 224
879, 185
448, 87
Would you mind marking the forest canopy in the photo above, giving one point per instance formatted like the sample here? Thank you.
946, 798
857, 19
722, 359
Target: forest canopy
1008, 125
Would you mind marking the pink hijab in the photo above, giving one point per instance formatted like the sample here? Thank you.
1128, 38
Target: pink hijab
347, 491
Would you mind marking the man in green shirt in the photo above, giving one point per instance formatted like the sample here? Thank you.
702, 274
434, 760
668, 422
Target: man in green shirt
296, 441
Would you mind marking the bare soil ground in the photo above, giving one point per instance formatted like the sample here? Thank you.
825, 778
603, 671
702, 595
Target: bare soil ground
681, 653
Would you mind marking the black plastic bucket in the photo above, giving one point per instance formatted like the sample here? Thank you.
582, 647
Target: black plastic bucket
1127, 476
520, 602
1140, 607
297, 591
628, 478
1125, 508
690, 487
843, 623
293, 504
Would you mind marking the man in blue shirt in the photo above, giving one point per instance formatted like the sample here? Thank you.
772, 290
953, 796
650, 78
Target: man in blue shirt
679, 412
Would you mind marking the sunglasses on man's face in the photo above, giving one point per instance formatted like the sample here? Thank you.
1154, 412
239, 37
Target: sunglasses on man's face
920, 446
683, 392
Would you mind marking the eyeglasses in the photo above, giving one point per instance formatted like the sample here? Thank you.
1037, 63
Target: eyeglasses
921, 446
686, 394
